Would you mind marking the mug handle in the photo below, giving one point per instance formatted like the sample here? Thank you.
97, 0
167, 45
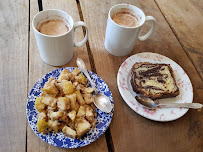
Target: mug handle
148, 18
81, 43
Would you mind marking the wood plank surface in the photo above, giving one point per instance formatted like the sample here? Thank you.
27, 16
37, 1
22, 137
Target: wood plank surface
37, 68
13, 77
130, 131
186, 20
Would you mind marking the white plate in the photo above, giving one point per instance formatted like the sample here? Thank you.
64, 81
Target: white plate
159, 114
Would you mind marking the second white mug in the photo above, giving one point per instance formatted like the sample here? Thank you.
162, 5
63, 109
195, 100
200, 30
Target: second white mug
120, 40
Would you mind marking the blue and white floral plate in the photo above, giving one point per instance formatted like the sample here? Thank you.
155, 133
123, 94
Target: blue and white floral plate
59, 139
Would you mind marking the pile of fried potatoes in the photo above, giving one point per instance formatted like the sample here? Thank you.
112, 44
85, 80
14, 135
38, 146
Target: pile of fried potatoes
66, 105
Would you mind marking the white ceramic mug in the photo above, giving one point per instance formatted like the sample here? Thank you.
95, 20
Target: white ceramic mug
57, 50
120, 40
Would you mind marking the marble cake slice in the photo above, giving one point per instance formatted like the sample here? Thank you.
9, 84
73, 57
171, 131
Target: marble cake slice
155, 81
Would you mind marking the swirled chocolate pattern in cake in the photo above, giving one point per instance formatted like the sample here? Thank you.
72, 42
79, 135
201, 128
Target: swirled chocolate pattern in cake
154, 80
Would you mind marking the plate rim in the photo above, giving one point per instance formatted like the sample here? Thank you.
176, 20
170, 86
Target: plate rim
131, 106
38, 82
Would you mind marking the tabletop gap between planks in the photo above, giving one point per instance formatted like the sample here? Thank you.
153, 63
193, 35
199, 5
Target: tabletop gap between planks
28, 67
108, 137
40, 5
91, 59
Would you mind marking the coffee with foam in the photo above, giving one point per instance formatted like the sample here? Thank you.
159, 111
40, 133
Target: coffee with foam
53, 27
125, 18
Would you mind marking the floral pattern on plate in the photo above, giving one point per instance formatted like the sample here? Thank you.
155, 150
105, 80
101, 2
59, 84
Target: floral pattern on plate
159, 114
59, 139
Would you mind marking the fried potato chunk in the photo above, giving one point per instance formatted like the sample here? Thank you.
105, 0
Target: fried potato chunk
67, 87
88, 98
89, 115
65, 75
50, 89
63, 103
75, 72
73, 105
42, 116
72, 115
55, 115
81, 112
47, 100
80, 86
79, 98
82, 79
87, 90
39, 105
53, 103
60, 89
53, 125
83, 126
69, 132
42, 126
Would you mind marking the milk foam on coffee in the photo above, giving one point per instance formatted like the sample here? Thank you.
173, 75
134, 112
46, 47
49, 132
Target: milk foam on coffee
125, 19
53, 27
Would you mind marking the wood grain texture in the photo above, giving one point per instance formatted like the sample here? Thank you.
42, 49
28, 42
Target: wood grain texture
186, 20
37, 68
131, 132
13, 77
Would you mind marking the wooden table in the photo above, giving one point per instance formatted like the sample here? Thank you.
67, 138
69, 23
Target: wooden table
178, 35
